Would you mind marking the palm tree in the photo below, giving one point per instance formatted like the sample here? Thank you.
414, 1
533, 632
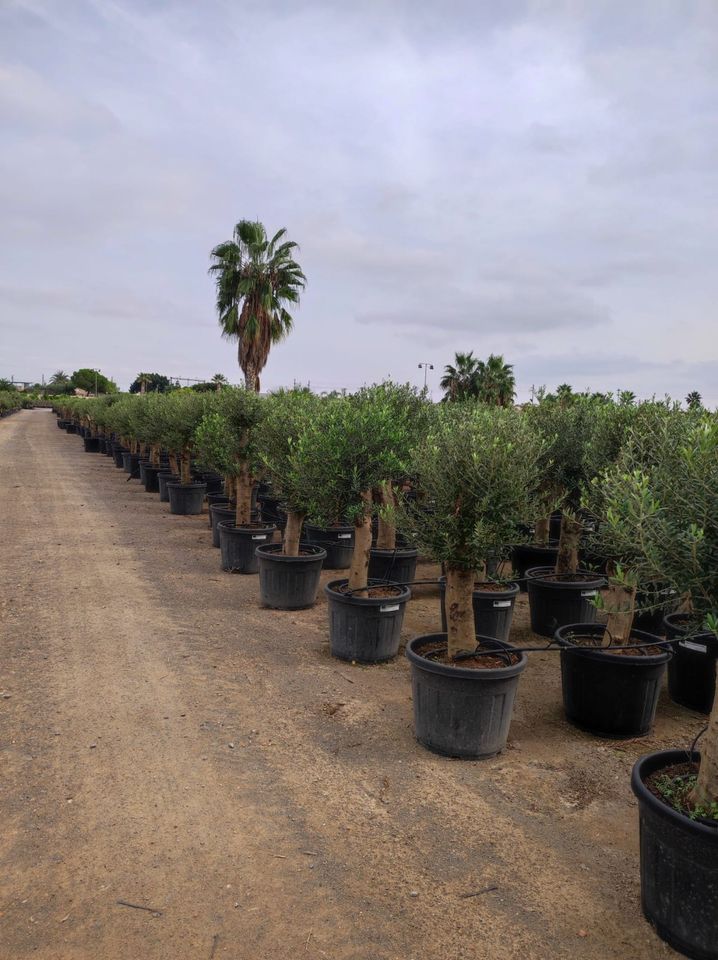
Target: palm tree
564, 393
694, 400
60, 378
460, 379
219, 380
255, 278
497, 384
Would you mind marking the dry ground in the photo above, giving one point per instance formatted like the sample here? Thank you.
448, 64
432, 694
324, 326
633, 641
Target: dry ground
169, 743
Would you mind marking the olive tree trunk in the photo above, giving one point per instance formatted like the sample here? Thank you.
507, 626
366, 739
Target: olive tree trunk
174, 466
359, 570
567, 560
293, 533
620, 604
461, 629
705, 791
243, 512
185, 475
541, 531
386, 533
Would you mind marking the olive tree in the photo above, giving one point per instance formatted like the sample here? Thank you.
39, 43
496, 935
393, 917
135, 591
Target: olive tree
181, 412
480, 469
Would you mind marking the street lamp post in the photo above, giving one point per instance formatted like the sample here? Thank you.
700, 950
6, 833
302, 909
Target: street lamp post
427, 366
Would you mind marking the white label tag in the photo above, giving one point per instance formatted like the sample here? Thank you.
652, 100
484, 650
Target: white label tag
260, 536
344, 536
502, 603
589, 593
389, 607
689, 645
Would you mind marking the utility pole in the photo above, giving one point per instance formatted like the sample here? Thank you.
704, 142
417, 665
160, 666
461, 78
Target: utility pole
427, 366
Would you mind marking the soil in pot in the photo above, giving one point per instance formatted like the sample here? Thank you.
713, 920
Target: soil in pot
679, 858
463, 708
556, 600
186, 499
365, 629
524, 556
238, 545
397, 566
493, 608
338, 541
610, 691
692, 668
289, 583
163, 478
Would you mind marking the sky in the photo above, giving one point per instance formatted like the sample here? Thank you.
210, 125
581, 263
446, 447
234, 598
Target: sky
531, 178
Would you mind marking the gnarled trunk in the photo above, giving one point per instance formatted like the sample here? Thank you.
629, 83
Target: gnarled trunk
567, 560
359, 570
461, 629
620, 603
185, 474
243, 513
541, 531
386, 533
174, 466
705, 791
229, 487
293, 533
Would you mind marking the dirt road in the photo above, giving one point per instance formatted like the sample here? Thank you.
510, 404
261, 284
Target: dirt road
168, 743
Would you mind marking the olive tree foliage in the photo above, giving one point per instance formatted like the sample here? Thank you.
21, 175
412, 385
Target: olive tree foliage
286, 456
178, 416
358, 442
226, 440
480, 469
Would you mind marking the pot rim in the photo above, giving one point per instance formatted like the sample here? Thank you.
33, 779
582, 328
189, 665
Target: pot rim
604, 654
534, 576
512, 589
465, 673
404, 552
271, 552
333, 594
229, 526
186, 486
650, 763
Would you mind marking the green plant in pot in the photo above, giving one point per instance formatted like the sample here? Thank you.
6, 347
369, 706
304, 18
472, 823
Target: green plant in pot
674, 505
479, 468
358, 442
181, 413
289, 571
226, 441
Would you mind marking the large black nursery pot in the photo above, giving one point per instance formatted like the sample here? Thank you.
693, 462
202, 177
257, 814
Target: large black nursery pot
71, 427
365, 629
460, 712
117, 452
679, 865
396, 566
239, 544
92, 444
289, 583
163, 478
214, 481
493, 609
220, 513
652, 604
150, 478
215, 499
609, 694
556, 600
692, 668
524, 556
337, 541
62, 424
186, 499
131, 463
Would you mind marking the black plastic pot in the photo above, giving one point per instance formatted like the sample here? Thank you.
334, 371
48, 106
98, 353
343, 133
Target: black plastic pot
460, 712
651, 607
131, 464
337, 541
692, 668
186, 499
608, 694
239, 545
92, 444
524, 556
220, 513
150, 478
289, 583
62, 424
215, 499
554, 525
493, 610
117, 451
143, 465
163, 478
109, 445
365, 629
556, 603
214, 481
71, 427
679, 866
398, 566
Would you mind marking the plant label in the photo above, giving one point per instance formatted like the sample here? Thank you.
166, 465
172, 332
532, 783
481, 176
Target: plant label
259, 536
589, 593
502, 603
344, 536
690, 645
389, 607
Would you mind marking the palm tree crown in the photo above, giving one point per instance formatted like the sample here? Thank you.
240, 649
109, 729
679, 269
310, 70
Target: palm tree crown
460, 378
255, 278
59, 376
496, 381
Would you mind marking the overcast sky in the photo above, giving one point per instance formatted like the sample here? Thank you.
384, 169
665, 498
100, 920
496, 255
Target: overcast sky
537, 179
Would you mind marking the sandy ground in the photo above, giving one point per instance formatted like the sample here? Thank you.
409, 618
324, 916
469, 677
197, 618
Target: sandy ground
168, 743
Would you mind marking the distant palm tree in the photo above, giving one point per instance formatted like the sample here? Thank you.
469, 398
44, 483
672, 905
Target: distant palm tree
626, 398
255, 278
219, 380
460, 380
564, 393
694, 400
59, 377
496, 381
